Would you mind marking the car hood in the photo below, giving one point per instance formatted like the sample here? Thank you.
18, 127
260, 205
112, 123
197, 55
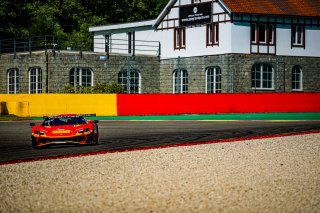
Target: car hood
61, 130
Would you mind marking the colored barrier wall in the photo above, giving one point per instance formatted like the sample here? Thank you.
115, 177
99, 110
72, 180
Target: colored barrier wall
35, 105
169, 104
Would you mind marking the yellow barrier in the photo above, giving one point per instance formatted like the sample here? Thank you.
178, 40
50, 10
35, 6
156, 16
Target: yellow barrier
35, 105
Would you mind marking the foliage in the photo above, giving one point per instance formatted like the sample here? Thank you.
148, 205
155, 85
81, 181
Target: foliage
96, 89
70, 18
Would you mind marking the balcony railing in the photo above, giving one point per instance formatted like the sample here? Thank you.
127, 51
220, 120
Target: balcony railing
49, 42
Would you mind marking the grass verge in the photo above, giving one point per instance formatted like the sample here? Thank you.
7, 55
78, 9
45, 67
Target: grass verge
12, 118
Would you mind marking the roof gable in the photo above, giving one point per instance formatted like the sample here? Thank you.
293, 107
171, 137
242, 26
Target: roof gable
304, 8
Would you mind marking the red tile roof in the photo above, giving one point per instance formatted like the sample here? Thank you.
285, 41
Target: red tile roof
308, 8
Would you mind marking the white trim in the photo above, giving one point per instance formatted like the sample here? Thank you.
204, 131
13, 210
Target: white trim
148, 23
297, 35
38, 73
300, 80
181, 81
77, 80
163, 13
214, 78
224, 5
261, 77
15, 76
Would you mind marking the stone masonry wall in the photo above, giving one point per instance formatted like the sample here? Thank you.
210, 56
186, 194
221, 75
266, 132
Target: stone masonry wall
236, 72
60, 63
157, 76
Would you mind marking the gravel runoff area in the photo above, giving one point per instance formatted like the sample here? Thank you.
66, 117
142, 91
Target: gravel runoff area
263, 175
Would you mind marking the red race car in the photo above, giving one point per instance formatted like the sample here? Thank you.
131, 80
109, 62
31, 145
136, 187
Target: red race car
64, 129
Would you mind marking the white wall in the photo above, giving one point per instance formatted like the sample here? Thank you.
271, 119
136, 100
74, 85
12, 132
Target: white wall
312, 46
233, 38
240, 38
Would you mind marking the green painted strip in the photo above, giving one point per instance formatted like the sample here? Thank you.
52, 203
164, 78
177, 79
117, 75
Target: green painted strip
214, 117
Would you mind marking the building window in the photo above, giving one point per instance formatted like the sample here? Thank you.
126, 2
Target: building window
13, 81
271, 33
195, 1
262, 33
35, 80
213, 80
253, 33
134, 82
212, 34
80, 76
179, 38
262, 76
180, 81
296, 78
297, 36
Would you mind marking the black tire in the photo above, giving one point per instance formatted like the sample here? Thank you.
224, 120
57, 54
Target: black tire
95, 135
34, 143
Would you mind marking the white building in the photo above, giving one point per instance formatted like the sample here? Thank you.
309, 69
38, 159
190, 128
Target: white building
210, 27
281, 41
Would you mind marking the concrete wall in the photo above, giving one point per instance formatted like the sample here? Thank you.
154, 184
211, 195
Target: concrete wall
170, 104
157, 104
36, 105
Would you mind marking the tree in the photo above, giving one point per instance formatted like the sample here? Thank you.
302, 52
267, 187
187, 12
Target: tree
70, 18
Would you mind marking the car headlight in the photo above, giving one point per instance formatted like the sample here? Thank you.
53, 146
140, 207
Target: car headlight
39, 132
84, 130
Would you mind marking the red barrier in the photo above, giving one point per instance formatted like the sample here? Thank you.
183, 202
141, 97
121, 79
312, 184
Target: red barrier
170, 104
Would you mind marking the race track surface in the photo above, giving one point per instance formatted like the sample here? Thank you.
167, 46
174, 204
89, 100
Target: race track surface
15, 137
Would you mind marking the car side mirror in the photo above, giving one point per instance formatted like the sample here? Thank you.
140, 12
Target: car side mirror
32, 124
96, 121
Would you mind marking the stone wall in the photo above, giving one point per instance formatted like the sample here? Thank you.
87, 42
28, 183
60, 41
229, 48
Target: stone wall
157, 76
236, 72
59, 64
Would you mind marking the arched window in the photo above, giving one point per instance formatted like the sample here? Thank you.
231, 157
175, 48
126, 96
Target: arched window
180, 81
131, 84
81, 76
35, 80
262, 76
296, 78
13, 81
213, 80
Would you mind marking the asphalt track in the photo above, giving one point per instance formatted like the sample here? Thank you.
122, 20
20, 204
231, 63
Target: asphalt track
15, 141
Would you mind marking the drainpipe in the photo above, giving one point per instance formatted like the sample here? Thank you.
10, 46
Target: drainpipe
128, 74
284, 77
47, 73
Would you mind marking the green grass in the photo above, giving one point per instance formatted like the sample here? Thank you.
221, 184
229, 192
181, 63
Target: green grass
13, 118
221, 117
308, 116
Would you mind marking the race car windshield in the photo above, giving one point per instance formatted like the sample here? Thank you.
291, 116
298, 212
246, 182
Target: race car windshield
60, 121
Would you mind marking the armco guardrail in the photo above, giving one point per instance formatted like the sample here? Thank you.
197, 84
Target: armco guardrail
170, 104
157, 104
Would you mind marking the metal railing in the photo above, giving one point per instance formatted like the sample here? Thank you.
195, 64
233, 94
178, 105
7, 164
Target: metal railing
50, 42
125, 46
